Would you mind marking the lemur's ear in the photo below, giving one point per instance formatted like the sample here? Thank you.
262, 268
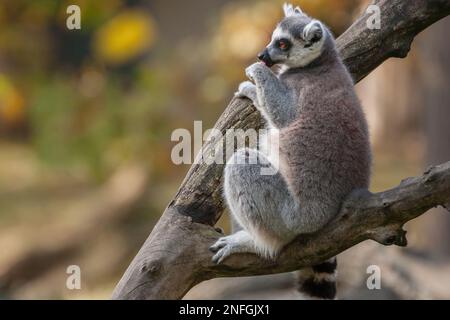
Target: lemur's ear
313, 31
289, 10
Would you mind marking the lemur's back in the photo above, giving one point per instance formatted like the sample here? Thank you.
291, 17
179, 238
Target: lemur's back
332, 157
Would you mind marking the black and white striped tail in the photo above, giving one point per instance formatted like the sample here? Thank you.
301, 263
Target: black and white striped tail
319, 281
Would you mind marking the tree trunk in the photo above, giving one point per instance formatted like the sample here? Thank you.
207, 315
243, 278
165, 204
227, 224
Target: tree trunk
434, 52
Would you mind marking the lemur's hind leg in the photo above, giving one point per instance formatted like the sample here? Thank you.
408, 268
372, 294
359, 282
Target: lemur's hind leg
261, 203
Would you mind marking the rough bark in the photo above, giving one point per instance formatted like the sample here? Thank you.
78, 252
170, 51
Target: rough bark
175, 257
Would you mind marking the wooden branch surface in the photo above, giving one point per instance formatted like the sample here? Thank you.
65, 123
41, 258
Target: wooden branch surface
175, 257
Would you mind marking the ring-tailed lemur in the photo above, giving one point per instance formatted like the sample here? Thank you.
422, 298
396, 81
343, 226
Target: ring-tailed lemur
324, 150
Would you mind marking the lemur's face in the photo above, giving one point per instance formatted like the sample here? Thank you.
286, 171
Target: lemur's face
297, 40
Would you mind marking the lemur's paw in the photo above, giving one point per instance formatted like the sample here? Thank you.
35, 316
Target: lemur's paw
223, 248
226, 246
246, 90
256, 70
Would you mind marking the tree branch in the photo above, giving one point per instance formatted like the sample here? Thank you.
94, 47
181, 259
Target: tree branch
175, 257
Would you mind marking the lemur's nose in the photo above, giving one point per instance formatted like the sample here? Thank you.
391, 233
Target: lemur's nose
265, 57
261, 55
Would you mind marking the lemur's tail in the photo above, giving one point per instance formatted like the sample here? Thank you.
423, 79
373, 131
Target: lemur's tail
319, 281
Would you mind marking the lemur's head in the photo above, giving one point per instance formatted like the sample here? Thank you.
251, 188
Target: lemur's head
297, 40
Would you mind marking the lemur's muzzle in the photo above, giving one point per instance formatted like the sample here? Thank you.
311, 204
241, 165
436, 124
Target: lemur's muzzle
265, 57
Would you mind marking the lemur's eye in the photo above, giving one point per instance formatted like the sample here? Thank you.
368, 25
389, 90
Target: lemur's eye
283, 44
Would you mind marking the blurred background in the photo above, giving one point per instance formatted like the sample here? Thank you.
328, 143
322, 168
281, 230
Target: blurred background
85, 123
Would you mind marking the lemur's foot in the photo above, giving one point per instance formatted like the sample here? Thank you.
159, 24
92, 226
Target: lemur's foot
247, 90
226, 246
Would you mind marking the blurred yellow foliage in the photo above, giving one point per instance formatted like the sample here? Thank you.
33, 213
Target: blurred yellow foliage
124, 37
244, 30
12, 103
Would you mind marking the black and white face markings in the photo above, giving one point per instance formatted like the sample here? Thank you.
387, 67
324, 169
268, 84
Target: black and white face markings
296, 41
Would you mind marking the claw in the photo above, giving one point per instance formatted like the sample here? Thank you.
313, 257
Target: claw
217, 246
221, 249
226, 246
221, 255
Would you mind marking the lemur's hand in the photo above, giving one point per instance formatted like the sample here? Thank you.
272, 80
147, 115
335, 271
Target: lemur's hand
247, 90
257, 71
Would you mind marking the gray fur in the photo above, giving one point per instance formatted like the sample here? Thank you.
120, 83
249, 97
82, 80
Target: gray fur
324, 143
289, 10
